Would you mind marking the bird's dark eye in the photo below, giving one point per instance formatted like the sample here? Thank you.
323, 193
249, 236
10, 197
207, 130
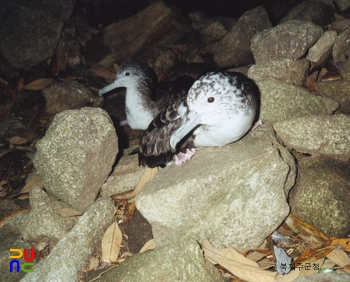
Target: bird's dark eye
211, 99
127, 73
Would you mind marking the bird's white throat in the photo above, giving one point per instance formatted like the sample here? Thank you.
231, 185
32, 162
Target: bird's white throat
137, 109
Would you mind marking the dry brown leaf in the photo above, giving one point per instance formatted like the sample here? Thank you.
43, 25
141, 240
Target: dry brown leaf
6, 218
347, 268
237, 264
305, 230
148, 174
16, 140
111, 243
343, 242
339, 257
257, 256
68, 212
32, 129
35, 180
310, 255
150, 245
311, 80
23, 197
125, 255
145, 177
39, 84
3, 83
4, 153
20, 84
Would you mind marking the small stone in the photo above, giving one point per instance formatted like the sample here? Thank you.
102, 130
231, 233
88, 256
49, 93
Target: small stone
321, 47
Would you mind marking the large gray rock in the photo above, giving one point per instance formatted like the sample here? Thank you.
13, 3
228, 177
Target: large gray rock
76, 155
125, 176
8, 241
341, 48
289, 40
313, 11
183, 262
210, 29
321, 196
68, 258
222, 194
157, 25
290, 71
338, 90
66, 95
345, 70
42, 223
281, 101
325, 135
342, 4
31, 30
234, 48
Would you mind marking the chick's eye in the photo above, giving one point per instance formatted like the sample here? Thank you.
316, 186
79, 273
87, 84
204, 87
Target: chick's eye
211, 99
127, 73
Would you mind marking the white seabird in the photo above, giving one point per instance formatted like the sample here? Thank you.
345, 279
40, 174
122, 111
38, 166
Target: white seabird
219, 109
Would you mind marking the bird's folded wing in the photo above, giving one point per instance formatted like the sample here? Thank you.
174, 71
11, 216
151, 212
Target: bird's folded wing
155, 147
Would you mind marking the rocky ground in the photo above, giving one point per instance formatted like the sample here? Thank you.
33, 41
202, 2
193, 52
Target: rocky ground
67, 175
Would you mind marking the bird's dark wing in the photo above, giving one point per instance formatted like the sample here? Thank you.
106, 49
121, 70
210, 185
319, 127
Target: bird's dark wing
167, 92
154, 149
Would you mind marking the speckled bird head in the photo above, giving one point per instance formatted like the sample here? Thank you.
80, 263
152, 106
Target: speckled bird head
216, 92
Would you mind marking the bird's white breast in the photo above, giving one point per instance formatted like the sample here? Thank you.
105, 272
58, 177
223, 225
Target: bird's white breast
137, 115
228, 131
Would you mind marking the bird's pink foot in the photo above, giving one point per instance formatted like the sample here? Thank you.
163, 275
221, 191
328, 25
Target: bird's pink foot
256, 125
123, 122
181, 158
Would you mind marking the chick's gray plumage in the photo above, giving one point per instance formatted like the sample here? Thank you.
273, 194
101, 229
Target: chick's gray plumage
145, 97
219, 109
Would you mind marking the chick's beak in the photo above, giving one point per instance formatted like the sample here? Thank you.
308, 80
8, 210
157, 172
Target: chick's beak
108, 88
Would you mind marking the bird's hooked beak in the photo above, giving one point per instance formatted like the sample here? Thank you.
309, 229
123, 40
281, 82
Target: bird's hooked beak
193, 120
108, 88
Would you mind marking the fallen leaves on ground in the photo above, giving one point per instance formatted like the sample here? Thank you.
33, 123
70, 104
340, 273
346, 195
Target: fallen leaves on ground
236, 263
6, 218
311, 250
147, 176
36, 180
111, 242
149, 245
17, 140
68, 212
38, 84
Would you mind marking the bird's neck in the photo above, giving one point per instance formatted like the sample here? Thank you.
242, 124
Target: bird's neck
139, 108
